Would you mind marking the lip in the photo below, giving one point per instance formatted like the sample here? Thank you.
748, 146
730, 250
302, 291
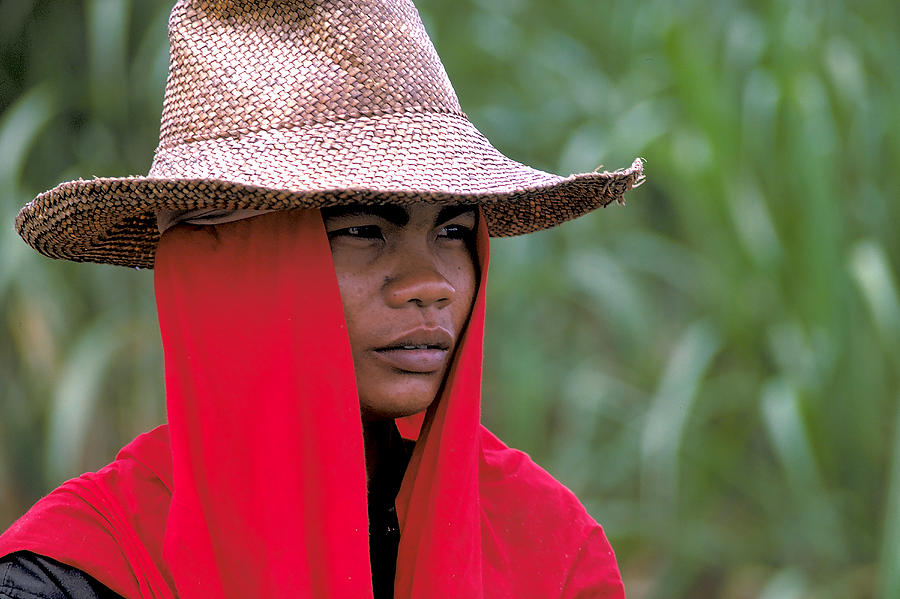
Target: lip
421, 351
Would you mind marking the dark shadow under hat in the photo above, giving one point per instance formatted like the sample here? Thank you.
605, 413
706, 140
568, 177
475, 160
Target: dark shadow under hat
273, 105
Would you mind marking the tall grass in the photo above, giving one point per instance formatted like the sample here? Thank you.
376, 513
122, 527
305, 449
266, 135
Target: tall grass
713, 369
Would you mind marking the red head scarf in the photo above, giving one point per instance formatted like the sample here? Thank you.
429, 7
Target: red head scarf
256, 488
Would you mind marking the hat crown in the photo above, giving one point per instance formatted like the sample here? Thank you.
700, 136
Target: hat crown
242, 66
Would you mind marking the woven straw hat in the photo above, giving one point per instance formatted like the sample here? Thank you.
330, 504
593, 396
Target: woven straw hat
279, 104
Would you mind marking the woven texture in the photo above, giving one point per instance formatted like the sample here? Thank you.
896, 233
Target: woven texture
290, 104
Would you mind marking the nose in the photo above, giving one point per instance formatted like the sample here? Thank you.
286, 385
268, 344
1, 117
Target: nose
419, 283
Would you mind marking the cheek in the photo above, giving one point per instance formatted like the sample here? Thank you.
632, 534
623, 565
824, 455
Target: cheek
462, 278
354, 300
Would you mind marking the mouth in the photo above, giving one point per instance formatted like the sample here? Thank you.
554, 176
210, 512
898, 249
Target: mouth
421, 351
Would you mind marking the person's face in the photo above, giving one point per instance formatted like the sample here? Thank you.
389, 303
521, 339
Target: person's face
407, 281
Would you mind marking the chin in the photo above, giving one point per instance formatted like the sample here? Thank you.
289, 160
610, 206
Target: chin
394, 405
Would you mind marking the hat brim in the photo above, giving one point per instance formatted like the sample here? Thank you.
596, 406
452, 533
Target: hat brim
395, 158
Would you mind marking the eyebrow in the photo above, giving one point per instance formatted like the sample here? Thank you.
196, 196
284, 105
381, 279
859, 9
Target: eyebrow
394, 213
449, 212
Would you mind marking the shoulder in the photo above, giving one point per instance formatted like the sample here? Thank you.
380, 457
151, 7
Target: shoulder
535, 493
86, 520
535, 520
26, 575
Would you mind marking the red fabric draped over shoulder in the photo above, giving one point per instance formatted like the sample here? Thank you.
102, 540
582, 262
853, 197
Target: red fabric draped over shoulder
257, 486
108, 523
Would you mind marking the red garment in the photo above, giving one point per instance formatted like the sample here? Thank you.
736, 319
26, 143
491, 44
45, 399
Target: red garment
257, 486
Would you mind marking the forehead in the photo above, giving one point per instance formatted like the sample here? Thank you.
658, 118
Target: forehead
397, 214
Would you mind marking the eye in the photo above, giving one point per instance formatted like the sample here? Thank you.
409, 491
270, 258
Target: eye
455, 231
358, 232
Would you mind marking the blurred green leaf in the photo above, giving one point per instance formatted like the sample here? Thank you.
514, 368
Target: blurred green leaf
77, 392
20, 125
669, 412
875, 280
890, 545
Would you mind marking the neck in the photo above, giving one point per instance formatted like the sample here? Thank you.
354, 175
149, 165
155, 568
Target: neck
377, 436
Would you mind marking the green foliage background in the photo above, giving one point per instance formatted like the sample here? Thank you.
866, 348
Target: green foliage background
713, 370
